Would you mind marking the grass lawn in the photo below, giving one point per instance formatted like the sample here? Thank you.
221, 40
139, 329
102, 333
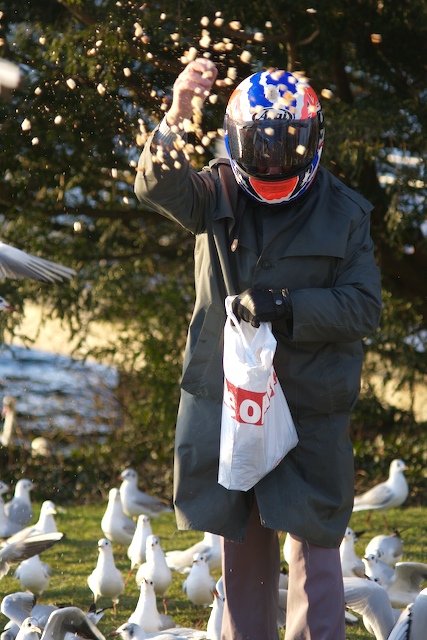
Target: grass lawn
74, 558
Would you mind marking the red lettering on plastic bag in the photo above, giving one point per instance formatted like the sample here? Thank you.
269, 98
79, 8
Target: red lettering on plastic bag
249, 407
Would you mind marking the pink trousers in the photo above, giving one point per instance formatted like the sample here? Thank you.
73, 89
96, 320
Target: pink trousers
315, 609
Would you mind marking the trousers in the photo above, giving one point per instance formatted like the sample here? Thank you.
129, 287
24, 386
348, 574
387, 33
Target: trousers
315, 602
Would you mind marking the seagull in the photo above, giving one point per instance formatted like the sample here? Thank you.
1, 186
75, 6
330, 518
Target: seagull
351, 564
155, 567
377, 570
136, 550
146, 614
132, 631
7, 527
16, 552
213, 629
210, 546
412, 623
33, 574
18, 264
389, 548
106, 580
115, 525
45, 524
136, 502
387, 495
199, 585
60, 622
19, 509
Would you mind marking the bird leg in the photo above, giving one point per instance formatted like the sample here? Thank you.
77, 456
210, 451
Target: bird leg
165, 605
128, 576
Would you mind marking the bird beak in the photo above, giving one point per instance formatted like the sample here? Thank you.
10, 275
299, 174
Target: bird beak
114, 633
360, 533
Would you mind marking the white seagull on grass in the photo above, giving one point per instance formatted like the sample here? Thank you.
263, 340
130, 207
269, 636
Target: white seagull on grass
137, 549
45, 524
106, 580
146, 614
213, 628
155, 567
199, 586
33, 574
7, 527
351, 564
136, 502
387, 495
19, 509
115, 525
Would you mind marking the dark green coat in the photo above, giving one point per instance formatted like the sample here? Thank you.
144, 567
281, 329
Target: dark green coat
321, 249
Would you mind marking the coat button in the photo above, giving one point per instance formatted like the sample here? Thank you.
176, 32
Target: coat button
267, 264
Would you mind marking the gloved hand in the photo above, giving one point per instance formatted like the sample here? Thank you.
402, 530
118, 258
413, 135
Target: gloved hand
262, 305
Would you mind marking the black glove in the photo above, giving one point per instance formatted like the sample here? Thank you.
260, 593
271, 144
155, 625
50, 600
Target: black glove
262, 305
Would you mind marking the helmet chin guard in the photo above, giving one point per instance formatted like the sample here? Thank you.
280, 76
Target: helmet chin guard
274, 134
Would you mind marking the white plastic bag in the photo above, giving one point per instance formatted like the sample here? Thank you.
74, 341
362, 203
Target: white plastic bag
257, 429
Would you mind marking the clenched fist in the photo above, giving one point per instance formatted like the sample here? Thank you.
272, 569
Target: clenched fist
262, 305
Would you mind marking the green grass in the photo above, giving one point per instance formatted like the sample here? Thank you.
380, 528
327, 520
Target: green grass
74, 558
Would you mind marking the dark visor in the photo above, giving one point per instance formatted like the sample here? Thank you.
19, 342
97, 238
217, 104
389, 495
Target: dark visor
273, 149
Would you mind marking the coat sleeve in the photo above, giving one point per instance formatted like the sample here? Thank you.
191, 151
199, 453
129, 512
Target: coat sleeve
351, 309
166, 182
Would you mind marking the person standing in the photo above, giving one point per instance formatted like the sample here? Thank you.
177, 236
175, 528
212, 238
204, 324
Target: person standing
292, 244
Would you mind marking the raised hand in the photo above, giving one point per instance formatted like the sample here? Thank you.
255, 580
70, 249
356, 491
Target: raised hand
190, 90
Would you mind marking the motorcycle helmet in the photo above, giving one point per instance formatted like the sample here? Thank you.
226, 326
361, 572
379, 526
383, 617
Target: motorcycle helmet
274, 132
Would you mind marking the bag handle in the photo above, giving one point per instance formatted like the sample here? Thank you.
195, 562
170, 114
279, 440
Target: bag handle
263, 339
231, 316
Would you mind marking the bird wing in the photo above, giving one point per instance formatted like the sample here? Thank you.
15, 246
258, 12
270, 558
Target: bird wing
371, 601
402, 627
418, 615
150, 502
22, 534
15, 263
23, 549
70, 620
18, 606
376, 498
410, 575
